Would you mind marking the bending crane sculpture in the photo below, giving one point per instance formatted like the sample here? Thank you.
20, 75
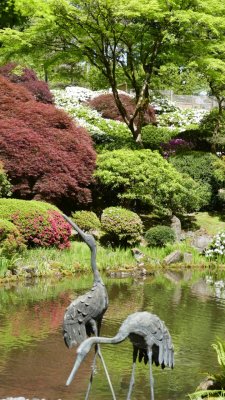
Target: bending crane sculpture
151, 342
84, 315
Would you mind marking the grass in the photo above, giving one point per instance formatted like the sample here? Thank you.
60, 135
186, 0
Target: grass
50, 261
211, 222
77, 258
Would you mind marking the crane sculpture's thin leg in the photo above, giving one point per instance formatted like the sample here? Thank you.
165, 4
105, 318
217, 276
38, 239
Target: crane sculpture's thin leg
132, 379
106, 372
92, 374
150, 373
98, 352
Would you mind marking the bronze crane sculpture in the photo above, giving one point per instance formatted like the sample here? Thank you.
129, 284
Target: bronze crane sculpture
151, 342
84, 315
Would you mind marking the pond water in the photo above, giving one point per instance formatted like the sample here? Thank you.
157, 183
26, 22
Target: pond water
34, 361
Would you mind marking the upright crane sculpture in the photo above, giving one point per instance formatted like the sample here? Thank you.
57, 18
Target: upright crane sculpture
84, 315
151, 342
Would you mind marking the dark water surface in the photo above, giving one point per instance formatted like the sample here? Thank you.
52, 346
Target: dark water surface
34, 361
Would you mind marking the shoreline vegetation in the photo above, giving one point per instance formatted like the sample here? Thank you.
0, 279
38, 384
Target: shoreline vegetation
118, 262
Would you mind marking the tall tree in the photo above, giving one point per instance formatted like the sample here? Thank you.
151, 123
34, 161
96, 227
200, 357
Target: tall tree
137, 37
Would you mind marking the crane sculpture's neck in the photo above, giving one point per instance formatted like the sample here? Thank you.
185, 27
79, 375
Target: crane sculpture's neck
89, 240
97, 276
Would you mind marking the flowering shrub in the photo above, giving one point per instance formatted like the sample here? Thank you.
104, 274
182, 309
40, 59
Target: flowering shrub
180, 119
45, 230
163, 105
217, 247
174, 146
72, 95
28, 78
122, 226
40, 224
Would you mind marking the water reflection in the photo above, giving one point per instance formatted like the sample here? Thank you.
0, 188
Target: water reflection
34, 361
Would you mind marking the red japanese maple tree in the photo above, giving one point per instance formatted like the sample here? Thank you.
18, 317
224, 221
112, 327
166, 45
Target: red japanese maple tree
44, 153
105, 104
28, 78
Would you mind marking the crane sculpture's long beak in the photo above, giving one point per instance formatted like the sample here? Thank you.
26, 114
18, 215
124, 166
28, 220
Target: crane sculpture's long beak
77, 363
81, 233
82, 351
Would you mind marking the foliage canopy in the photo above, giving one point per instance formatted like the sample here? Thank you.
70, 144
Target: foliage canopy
117, 37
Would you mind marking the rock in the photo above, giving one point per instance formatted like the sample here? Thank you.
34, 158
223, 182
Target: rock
210, 383
188, 257
138, 255
176, 226
174, 257
201, 242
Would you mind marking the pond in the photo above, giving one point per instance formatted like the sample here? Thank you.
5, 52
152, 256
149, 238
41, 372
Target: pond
34, 361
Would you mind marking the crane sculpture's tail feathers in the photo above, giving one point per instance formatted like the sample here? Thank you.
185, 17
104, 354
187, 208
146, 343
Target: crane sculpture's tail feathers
166, 350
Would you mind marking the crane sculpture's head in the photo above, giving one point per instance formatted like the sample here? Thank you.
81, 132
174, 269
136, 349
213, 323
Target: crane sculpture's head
82, 352
87, 238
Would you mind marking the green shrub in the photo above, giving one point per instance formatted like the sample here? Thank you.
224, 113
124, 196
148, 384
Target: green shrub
86, 220
5, 186
210, 121
153, 136
205, 168
40, 224
143, 178
159, 236
11, 241
123, 227
212, 127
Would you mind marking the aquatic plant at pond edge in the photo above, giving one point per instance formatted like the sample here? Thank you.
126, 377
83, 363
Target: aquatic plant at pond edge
217, 379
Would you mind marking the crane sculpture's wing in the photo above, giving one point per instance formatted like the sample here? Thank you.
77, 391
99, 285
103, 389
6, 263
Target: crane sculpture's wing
82, 314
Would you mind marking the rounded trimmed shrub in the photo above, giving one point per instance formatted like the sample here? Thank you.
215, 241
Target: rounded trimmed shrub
40, 224
159, 236
11, 240
86, 220
123, 227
